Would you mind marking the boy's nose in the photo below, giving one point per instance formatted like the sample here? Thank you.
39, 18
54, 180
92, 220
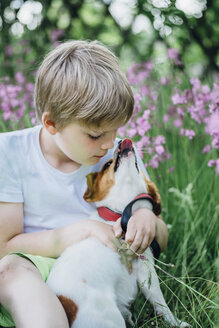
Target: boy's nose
108, 142
107, 145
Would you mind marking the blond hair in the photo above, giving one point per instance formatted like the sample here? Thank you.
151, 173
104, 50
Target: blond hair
81, 80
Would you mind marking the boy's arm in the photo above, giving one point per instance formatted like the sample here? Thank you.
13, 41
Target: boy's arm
49, 243
142, 228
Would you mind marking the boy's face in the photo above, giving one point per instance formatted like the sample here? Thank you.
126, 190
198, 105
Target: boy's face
83, 144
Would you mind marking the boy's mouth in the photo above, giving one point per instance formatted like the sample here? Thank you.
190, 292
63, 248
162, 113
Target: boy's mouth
100, 156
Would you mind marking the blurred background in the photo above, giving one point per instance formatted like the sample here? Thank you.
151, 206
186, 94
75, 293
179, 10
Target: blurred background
137, 30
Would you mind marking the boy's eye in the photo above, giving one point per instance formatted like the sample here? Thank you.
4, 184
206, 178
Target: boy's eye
94, 137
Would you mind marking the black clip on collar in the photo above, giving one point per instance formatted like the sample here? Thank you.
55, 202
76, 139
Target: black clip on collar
126, 216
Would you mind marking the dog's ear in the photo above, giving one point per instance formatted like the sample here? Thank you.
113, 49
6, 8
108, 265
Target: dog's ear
91, 177
153, 192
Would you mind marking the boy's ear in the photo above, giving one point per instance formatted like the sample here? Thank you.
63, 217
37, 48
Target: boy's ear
90, 192
48, 124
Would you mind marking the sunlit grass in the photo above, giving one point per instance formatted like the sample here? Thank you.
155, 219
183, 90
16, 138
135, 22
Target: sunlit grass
190, 207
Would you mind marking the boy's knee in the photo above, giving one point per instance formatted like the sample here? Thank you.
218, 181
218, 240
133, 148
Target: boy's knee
13, 265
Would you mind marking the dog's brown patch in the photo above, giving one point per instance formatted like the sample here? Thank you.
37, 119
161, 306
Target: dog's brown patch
70, 308
100, 183
153, 192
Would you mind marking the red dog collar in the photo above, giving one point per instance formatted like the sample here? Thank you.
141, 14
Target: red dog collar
110, 215
107, 214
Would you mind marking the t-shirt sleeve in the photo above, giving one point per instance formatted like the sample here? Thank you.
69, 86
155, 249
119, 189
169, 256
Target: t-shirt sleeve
10, 184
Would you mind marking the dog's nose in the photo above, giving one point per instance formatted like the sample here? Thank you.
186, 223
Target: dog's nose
126, 144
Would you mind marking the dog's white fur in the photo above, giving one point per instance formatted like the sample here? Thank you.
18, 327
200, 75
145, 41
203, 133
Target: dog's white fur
93, 276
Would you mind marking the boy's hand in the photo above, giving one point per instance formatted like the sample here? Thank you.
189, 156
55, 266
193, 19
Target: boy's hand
103, 232
141, 229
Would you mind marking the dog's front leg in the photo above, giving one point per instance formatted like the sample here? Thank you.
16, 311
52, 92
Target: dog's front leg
149, 284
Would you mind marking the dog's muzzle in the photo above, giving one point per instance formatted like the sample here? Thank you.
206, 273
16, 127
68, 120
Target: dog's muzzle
123, 150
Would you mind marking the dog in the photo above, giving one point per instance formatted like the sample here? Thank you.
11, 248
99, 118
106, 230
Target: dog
95, 288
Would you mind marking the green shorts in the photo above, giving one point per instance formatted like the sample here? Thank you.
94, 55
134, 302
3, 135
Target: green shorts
44, 265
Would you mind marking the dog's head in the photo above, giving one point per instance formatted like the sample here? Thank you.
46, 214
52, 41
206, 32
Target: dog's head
120, 180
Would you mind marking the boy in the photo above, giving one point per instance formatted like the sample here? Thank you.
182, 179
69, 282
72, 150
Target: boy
81, 98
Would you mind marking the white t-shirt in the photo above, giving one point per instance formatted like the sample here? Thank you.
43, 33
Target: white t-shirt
51, 198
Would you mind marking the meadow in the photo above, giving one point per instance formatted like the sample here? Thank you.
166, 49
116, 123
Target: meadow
175, 127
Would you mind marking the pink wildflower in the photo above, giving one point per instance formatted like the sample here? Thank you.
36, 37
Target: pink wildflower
19, 77
217, 166
215, 142
159, 150
148, 65
7, 115
173, 54
213, 108
5, 107
32, 113
188, 133
211, 163
171, 169
33, 120
146, 114
178, 123
159, 140
145, 140
121, 131
212, 126
166, 118
196, 84
131, 133
205, 89
30, 87
150, 151
215, 94
56, 34
137, 105
178, 99
141, 131
180, 111
9, 50
206, 149
214, 163
144, 90
164, 80
154, 162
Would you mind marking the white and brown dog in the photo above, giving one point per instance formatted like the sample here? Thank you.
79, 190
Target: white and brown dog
94, 286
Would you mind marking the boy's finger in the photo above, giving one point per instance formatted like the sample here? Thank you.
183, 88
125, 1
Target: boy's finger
137, 242
144, 245
131, 232
117, 228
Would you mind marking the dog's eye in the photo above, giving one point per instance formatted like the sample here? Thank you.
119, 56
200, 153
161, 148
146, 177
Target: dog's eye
107, 165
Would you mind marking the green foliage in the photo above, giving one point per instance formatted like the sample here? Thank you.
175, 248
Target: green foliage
196, 38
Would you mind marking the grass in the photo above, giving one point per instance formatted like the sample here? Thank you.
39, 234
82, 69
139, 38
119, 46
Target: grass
190, 207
